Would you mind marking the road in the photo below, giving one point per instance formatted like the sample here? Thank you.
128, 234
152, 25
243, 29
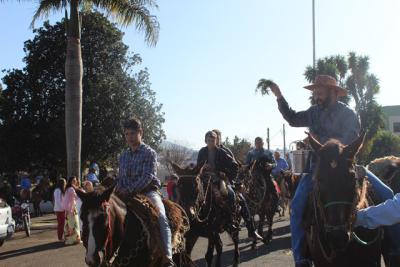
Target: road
43, 249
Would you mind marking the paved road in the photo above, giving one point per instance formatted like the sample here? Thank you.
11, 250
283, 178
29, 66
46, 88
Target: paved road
43, 249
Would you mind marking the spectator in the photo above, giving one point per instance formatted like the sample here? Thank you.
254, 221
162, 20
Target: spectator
71, 229
92, 177
174, 188
59, 210
88, 186
281, 164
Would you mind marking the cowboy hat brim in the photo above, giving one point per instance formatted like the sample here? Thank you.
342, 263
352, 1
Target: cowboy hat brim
341, 91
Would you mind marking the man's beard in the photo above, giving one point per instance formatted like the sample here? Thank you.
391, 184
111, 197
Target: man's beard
324, 103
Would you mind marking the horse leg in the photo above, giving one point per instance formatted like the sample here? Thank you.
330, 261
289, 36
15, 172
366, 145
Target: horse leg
218, 248
191, 240
261, 218
235, 238
270, 221
210, 250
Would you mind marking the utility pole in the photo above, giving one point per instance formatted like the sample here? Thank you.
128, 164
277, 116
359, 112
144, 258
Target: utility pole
284, 140
268, 138
313, 31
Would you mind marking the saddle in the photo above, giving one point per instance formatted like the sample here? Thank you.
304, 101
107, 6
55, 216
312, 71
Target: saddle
147, 213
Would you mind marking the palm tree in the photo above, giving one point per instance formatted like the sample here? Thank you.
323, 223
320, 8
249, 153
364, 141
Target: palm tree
126, 12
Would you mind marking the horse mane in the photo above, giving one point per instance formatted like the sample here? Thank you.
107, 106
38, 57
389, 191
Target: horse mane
378, 166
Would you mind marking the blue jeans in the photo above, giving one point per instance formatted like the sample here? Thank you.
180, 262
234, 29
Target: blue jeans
163, 221
298, 206
299, 203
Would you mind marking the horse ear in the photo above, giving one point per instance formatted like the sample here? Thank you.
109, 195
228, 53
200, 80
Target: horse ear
106, 194
351, 150
176, 167
315, 145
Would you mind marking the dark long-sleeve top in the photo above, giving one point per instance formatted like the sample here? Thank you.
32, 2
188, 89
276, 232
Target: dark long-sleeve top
335, 122
223, 162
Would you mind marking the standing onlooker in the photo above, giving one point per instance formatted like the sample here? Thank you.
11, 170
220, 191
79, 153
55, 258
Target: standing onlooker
169, 186
58, 200
88, 186
281, 165
174, 188
71, 229
92, 177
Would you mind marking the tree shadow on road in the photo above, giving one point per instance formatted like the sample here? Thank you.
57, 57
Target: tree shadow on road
247, 254
29, 250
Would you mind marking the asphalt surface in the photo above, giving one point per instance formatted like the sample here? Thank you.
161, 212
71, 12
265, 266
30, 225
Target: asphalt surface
43, 249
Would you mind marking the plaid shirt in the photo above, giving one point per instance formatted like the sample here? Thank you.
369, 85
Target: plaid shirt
137, 169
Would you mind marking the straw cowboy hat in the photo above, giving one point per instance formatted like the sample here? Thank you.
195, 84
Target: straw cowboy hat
327, 82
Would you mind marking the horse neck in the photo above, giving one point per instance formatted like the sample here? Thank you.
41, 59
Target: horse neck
116, 218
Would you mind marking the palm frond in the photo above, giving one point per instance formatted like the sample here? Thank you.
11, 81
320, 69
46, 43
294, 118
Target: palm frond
136, 12
47, 6
263, 85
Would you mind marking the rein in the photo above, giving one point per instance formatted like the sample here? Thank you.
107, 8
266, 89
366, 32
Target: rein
319, 206
109, 241
199, 204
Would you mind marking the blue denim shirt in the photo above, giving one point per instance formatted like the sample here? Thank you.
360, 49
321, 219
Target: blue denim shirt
137, 169
255, 153
281, 165
335, 122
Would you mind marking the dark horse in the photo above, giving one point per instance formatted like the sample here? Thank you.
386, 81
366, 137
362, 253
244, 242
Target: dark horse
331, 237
128, 234
258, 190
202, 198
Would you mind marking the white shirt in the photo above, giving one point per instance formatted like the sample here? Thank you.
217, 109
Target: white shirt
58, 200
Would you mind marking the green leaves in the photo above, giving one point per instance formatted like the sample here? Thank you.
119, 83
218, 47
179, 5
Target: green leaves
263, 86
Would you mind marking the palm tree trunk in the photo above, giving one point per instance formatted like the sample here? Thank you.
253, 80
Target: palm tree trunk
73, 93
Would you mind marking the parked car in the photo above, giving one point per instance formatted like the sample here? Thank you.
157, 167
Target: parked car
7, 223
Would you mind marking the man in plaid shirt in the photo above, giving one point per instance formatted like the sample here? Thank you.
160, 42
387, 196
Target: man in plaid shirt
137, 174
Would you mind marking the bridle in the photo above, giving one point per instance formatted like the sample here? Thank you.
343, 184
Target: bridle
201, 197
320, 216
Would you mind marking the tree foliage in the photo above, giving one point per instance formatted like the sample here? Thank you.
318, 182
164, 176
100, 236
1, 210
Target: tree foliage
384, 144
352, 73
32, 129
239, 147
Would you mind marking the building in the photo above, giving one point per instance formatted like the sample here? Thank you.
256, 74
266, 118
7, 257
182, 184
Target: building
392, 118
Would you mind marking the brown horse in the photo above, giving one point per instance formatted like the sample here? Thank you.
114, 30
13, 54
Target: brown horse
127, 234
388, 170
338, 193
202, 197
258, 192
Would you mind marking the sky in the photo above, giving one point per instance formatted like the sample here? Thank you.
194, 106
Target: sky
211, 54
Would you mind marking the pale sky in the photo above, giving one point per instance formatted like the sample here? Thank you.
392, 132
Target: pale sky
211, 54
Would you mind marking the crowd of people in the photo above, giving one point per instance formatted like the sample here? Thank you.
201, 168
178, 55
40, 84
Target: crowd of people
67, 209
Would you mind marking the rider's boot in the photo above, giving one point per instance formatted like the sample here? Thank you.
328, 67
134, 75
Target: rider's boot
248, 219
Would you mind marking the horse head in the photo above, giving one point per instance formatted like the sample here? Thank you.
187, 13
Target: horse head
190, 188
95, 217
337, 190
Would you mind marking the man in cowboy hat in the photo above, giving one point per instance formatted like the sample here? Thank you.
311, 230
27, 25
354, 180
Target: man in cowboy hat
327, 119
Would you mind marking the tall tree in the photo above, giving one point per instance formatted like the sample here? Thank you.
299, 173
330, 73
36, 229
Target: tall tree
32, 127
353, 74
126, 12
